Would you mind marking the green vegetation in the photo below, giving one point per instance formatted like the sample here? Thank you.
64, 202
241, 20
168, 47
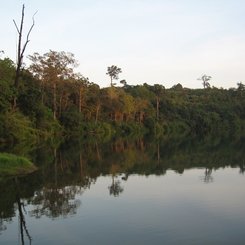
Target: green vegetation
49, 101
53, 101
14, 165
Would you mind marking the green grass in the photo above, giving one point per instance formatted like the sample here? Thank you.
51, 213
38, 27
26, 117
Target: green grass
14, 165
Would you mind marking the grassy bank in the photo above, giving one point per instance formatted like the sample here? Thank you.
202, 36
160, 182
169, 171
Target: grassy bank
14, 165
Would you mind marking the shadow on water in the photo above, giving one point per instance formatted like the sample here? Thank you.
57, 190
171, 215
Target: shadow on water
65, 172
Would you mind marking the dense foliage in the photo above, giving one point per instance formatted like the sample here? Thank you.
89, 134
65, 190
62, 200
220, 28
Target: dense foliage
53, 100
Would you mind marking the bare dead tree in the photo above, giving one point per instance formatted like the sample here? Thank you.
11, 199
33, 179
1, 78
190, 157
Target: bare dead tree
21, 49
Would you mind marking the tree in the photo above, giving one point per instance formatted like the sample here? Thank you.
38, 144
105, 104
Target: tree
124, 83
128, 105
158, 90
82, 84
21, 49
240, 86
7, 71
177, 86
205, 80
94, 100
51, 68
113, 71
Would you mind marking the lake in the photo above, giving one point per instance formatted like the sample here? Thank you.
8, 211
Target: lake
171, 191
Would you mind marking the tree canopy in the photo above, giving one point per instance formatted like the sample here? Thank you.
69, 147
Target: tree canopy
113, 71
53, 99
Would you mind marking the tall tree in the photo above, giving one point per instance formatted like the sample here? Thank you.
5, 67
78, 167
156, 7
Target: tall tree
81, 85
158, 90
113, 71
51, 68
94, 102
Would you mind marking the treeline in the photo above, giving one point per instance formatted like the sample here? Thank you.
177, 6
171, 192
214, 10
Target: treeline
52, 100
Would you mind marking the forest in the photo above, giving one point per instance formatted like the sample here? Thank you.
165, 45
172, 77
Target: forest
48, 100
52, 101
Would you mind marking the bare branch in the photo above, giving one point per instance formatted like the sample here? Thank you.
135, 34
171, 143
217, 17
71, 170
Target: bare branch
27, 37
33, 23
16, 27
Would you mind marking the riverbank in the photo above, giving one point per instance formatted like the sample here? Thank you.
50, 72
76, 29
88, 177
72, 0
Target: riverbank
11, 164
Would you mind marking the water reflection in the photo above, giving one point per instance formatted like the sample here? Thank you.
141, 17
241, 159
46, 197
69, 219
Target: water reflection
21, 210
13, 206
55, 202
65, 173
208, 178
115, 188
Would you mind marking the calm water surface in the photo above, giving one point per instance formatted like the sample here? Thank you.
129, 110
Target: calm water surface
128, 196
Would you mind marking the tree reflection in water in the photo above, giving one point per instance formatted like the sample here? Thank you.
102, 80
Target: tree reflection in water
3, 227
66, 172
55, 202
242, 167
115, 188
22, 223
208, 178
58, 197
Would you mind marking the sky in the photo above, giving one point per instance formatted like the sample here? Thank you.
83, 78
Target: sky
153, 41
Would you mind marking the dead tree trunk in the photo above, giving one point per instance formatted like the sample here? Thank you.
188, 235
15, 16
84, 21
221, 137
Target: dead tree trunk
21, 49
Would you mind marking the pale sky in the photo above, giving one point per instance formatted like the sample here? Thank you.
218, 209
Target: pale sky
152, 41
